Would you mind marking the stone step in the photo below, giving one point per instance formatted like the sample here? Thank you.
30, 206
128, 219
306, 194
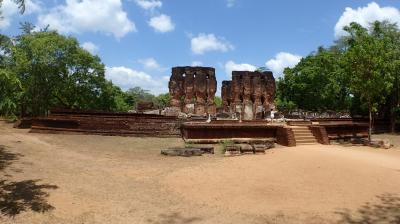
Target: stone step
310, 143
305, 137
301, 130
306, 141
299, 127
303, 133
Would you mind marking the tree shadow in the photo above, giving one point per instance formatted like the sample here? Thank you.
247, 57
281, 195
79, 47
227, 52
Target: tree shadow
17, 197
20, 196
386, 210
6, 157
175, 218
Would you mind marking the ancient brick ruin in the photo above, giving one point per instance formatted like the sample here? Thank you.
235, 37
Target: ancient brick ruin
249, 94
192, 90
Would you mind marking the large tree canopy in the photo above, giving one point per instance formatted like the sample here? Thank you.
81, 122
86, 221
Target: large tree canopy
43, 70
361, 70
56, 72
317, 83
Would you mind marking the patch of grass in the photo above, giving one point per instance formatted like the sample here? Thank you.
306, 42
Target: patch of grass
189, 145
224, 144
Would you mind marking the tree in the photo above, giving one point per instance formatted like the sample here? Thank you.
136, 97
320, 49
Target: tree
316, 83
10, 86
163, 100
136, 95
20, 3
367, 66
218, 101
56, 72
10, 93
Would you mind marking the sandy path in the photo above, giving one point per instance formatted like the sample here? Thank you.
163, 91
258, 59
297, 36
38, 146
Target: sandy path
309, 179
125, 180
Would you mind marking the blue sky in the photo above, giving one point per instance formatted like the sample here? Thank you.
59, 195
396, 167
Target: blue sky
140, 40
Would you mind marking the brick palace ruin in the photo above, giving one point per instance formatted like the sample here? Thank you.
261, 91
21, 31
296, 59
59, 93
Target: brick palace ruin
192, 90
247, 98
249, 94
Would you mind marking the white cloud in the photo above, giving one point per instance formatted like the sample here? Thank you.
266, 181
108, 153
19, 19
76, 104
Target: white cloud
232, 66
230, 3
77, 16
149, 4
150, 63
162, 23
366, 15
209, 42
128, 78
91, 47
281, 61
197, 63
9, 10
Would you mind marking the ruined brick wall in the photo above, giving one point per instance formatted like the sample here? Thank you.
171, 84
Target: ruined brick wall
285, 136
249, 93
320, 134
192, 89
226, 96
106, 123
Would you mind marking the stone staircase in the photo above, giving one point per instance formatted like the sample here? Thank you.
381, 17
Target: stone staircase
303, 135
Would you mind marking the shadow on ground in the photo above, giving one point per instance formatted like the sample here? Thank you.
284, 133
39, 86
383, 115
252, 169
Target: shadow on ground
17, 197
6, 157
20, 196
174, 218
385, 211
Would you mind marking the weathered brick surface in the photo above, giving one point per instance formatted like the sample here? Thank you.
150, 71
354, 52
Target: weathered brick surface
320, 134
193, 89
285, 136
249, 93
109, 124
227, 130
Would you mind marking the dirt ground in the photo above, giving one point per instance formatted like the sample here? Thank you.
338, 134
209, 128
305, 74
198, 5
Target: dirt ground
48, 178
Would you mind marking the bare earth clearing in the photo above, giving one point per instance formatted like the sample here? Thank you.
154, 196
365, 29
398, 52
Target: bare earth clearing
97, 179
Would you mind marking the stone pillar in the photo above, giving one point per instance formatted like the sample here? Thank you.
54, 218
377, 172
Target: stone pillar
189, 92
211, 90
237, 92
200, 84
226, 96
247, 103
176, 90
256, 95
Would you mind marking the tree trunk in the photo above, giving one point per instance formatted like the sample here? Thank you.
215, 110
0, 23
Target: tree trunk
392, 119
370, 124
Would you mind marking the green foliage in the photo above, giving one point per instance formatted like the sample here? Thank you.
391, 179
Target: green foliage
44, 70
218, 101
56, 72
20, 3
316, 83
225, 143
163, 100
10, 93
367, 61
135, 95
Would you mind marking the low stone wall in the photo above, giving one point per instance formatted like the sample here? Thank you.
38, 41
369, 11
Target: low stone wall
320, 134
343, 131
124, 124
285, 136
227, 130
